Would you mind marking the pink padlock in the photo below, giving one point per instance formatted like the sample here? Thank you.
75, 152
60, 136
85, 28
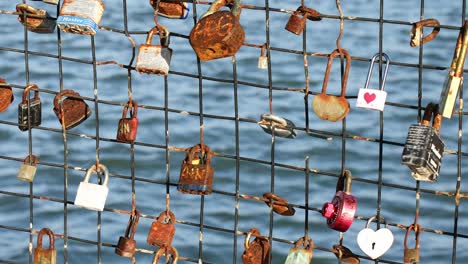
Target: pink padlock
340, 211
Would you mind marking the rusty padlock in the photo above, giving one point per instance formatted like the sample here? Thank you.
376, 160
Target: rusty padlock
196, 173
170, 252
45, 255
155, 58
127, 130
29, 111
411, 255
80, 16
302, 252
283, 208
218, 34
177, 10
127, 244
6, 95
340, 211
257, 251
416, 32
162, 230
27, 170
74, 111
345, 255
329, 107
42, 22
297, 20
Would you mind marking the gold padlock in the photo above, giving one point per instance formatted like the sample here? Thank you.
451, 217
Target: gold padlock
27, 170
411, 255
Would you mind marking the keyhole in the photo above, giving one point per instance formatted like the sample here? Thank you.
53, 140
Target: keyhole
373, 245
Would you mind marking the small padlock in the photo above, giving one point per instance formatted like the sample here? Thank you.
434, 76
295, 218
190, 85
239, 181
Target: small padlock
262, 59
345, 255
424, 148
6, 95
196, 173
302, 252
370, 98
41, 23
35, 109
27, 170
162, 230
177, 10
416, 32
375, 243
45, 255
80, 16
340, 211
296, 23
280, 127
218, 34
127, 130
155, 58
411, 255
127, 244
279, 205
93, 196
257, 251
170, 252
75, 110
330, 107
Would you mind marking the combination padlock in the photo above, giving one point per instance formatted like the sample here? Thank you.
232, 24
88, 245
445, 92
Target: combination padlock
127, 244
370, 98
127, 130
257, 251
42, 22
411, 255
6, 95
196, 173
74, 111
162, 230
172, 256
262, 59
302, 252
27, 170
218, 34
45, 255
280, 127
80, 16
155, 58
375, 243
297, 20
340, 211
424, 148
90, 195
34, 116
177, 10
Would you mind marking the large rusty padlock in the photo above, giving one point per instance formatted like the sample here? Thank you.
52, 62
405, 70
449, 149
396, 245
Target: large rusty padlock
6, 95
27, 170
257, 251
80, 16
74, 111
302, 252
127, 129
196, 173
170, 252
41, 23
177, 10
31, 112
411, 255
162, 230
155, 58
330, 107
218, 34
45, 255
297, 20
340, 211
127, 244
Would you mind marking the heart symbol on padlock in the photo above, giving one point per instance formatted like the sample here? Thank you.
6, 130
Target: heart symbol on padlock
375, 243
369, 97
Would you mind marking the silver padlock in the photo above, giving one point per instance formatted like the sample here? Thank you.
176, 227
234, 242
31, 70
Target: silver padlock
262, 59
93, 196
27, 170
155, 58
370, 98
80, 16
41, 24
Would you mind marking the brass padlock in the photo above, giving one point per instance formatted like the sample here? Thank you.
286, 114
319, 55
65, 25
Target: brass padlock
257, 251
263, 59
196, 173
27, 170
75, 110
302, 252
411, 255
127, 244
29, 110
218, 34
80, 16
40, 23
45, 255
155, 58
162, 230
177, 10
170, 252
6, 95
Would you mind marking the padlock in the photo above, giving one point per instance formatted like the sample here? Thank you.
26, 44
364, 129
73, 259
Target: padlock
262, 59
370, 98
93, 196
75, 110
424, 148
155, 58
196, 173
127, 244
127, 130
41, 24
280, 127
218, 34
416, 32
345, 255
27, 170
45, 255
340, 211
257, 251
6, 95
455, 75
279, 205
177, 10
162, 230
34, 111
411, 255
170, 252
296, 23
302, 252
80, 16
375, 243
330, 107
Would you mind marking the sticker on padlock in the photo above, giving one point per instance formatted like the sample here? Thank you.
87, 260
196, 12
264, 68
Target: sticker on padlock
370, 98
30, 112
90, 195
45, 255
127, 129
6, 95
280, 127
127, 244
162, 230
218, 34
42, 22
297, 20
340, 211
27, 170
172, 256
330, 107
196, 173
74, 111
279, 205
176, 10
155, 59
302, 252
375, 243
80, 16
416, 32
257, 251
411, 255
345, 255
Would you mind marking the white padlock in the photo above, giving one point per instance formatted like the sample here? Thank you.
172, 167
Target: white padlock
262, 59
375, 243
155, 58
371, 98
90, 195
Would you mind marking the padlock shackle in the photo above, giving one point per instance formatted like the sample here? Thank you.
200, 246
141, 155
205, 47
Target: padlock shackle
193, 154
279, 204
416, 32
432, 112
133, 106
346, 73
132, 224
252, 232
274, 119
371, 67
164, 251
309, 13
50, 234
92, 169
216, 5
262, 49
24, 8
163, 33
417, 233
26, 92
58, 99
373, 218
27, 160
305, 242
166, 217
344, 182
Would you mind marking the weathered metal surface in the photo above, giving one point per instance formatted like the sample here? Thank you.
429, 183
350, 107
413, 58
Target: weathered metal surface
162, 230
170, 252
42, 24
177, 10
196, 173
302, 252
6, 95
282, 207
155, 59
411, 255
27, 171
80, 16
281, 127
127, 244
257, 251
45, 255
35, 109
416, 32
127, 128
75, 110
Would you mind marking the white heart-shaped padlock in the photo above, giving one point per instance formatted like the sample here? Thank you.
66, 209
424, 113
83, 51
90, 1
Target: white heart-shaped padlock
375, 243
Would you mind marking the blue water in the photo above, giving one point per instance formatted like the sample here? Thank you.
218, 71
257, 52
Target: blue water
360, 39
